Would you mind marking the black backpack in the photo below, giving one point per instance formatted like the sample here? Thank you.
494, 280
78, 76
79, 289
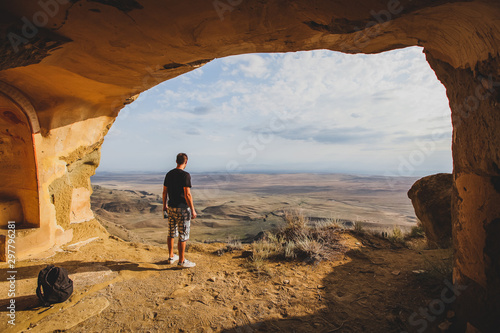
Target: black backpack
54, 285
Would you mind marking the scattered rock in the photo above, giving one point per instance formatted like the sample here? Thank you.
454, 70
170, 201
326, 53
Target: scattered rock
418, 271
204, 299
150, 315
444, 326
395, 273
246, 254
212, 279
182, 291
367, 271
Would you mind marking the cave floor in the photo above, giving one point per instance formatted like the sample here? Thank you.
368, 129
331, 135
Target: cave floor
127, 287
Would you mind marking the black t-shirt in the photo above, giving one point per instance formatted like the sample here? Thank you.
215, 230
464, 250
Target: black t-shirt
175, 181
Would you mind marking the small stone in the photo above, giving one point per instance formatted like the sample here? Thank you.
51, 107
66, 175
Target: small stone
358, 243
395, 273
212, 279
419, 271
444, 326
246, 254
320, 286
286, 281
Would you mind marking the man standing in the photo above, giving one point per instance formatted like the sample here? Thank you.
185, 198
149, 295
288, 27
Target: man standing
179, 208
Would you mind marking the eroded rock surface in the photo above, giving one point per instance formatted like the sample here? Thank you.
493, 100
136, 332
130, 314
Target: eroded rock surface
431, 199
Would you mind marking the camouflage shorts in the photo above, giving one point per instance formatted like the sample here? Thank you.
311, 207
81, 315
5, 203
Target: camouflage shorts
179, 223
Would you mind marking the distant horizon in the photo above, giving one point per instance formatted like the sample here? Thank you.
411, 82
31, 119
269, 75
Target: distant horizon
152, 172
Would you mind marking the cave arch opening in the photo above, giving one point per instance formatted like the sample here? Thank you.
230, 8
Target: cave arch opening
460, 38
311, 112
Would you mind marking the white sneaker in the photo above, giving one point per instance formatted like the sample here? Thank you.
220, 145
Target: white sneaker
173, 259
186, 264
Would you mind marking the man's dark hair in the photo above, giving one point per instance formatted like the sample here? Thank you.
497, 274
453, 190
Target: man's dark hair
181, 158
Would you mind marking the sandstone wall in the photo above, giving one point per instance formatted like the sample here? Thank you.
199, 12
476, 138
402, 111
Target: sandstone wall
78, 62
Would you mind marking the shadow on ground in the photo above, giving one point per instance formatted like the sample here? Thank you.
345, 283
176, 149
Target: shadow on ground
357, 298
31, 302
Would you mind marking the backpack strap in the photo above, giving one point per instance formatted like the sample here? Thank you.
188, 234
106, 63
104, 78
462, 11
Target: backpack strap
41, 296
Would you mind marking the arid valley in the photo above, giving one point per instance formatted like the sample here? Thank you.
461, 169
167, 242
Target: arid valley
240, 206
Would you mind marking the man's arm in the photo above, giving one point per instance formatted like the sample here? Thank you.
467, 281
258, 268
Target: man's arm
189, 200
165, 195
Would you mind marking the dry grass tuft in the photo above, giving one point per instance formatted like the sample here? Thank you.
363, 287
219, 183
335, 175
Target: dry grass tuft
397, 235
414, 239
439, 270
299, 239
358, 227
234, 244
230, 246
417, 231
331, 222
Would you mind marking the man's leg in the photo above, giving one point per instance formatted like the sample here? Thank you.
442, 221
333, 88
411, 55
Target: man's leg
170, 243
172, 231
184, 228
181, 246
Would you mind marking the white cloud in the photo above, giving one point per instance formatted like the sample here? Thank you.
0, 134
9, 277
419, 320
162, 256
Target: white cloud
250, 65
345, 109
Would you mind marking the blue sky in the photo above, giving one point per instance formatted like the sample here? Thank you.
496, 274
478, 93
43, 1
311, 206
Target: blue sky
317, 111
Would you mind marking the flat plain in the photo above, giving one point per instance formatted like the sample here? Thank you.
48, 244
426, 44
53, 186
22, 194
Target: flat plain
240, 206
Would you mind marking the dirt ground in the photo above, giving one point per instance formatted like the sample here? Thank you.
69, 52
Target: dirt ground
127, 287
